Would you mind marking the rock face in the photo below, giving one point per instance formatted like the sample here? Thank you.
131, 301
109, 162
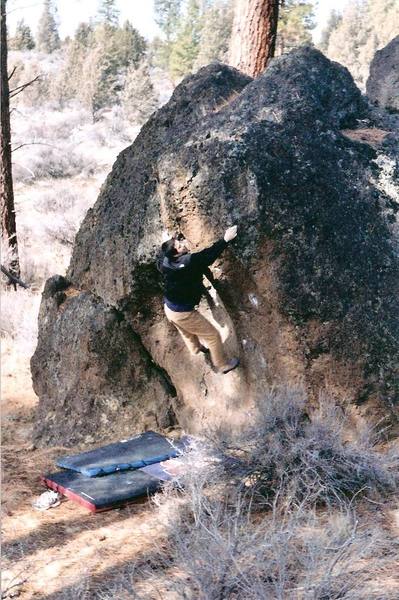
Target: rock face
89, 375
383, 83
307, 293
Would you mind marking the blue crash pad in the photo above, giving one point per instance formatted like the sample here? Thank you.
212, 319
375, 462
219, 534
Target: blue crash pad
136, 452
102, 493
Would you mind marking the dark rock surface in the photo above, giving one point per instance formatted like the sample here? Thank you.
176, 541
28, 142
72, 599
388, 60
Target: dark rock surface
89, 370
383, 83
307, 293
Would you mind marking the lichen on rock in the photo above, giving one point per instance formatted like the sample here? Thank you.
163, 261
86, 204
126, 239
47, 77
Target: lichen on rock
315, 248
383, 83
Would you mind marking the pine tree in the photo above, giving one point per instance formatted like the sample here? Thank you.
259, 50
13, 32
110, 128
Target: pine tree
347, 39
108, 13
167, 14
131, 46
167, 17
23, 39
294, 25
84, 35
7, 206
253, 40
101, 70
365, 27
185, 50
48, 39
68, 83
139, 99
217, 22
333, 22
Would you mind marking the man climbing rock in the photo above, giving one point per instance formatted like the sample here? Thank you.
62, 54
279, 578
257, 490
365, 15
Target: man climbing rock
183, 287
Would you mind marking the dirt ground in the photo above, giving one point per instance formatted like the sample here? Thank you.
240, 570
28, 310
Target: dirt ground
64, 551
69, 553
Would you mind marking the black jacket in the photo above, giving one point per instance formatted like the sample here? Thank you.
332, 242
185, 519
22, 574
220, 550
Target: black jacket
183, 274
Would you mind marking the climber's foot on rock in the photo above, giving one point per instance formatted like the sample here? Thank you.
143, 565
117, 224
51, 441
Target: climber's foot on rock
232, 364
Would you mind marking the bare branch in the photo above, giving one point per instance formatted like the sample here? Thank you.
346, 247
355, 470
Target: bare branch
26, 169
34, 144
12, 279
12, 72
23, 7
21, 88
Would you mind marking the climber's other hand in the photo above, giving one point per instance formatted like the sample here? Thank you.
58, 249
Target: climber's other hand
230, 233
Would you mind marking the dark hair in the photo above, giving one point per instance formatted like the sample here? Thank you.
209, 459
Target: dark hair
168, 248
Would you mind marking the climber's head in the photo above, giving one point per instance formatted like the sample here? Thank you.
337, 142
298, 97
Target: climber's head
181, 246
175, 246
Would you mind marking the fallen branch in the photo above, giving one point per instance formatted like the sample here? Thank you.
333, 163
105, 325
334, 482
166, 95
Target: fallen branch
13, 279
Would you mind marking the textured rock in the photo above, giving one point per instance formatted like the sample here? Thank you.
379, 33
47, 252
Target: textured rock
90, 368
308, 292
383, 83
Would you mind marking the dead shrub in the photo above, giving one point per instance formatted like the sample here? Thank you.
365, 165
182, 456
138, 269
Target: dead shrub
283, 453
215, 548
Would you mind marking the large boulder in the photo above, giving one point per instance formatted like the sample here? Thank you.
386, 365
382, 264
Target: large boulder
307, 293
383, 83
89, 370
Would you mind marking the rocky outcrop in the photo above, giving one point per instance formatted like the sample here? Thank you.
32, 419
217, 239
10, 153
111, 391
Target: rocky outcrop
383, 82
89, 370
307, 293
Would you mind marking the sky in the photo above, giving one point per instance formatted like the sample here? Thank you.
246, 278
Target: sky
139, 12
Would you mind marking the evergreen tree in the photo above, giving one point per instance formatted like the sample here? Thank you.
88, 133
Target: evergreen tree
68, 81
139, 99
185, 50
96, 61
167, 17
333, 21
23, 39
48, 39
365, 27
254, 32
131, 46
347, 39
84, 35
102, 69
167, 14
108, 13
294, 25
216, 25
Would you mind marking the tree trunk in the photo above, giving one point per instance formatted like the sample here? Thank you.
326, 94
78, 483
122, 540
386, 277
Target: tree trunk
253, 39
8, 227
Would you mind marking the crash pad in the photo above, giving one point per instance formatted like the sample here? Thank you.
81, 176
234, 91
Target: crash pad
174, 468
136, 452
102, 493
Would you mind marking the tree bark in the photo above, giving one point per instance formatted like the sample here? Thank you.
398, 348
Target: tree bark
253, 39
8, 225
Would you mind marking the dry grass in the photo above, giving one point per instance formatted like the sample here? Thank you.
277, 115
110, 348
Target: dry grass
289, 509
221, 543
216, 547
286, 454
57, 177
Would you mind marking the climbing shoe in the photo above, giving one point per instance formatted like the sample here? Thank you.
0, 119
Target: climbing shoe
232, 364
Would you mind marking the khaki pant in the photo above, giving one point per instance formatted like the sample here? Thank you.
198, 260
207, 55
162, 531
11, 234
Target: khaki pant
192, 326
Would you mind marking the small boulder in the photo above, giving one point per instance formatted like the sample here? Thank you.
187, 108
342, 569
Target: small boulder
383, 83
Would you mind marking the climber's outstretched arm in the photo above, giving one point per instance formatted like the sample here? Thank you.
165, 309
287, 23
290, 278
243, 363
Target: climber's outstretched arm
206, 257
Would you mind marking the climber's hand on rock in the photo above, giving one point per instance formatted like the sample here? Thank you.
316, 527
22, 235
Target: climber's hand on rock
230, 233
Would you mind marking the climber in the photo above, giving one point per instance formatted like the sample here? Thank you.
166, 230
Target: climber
183, 287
